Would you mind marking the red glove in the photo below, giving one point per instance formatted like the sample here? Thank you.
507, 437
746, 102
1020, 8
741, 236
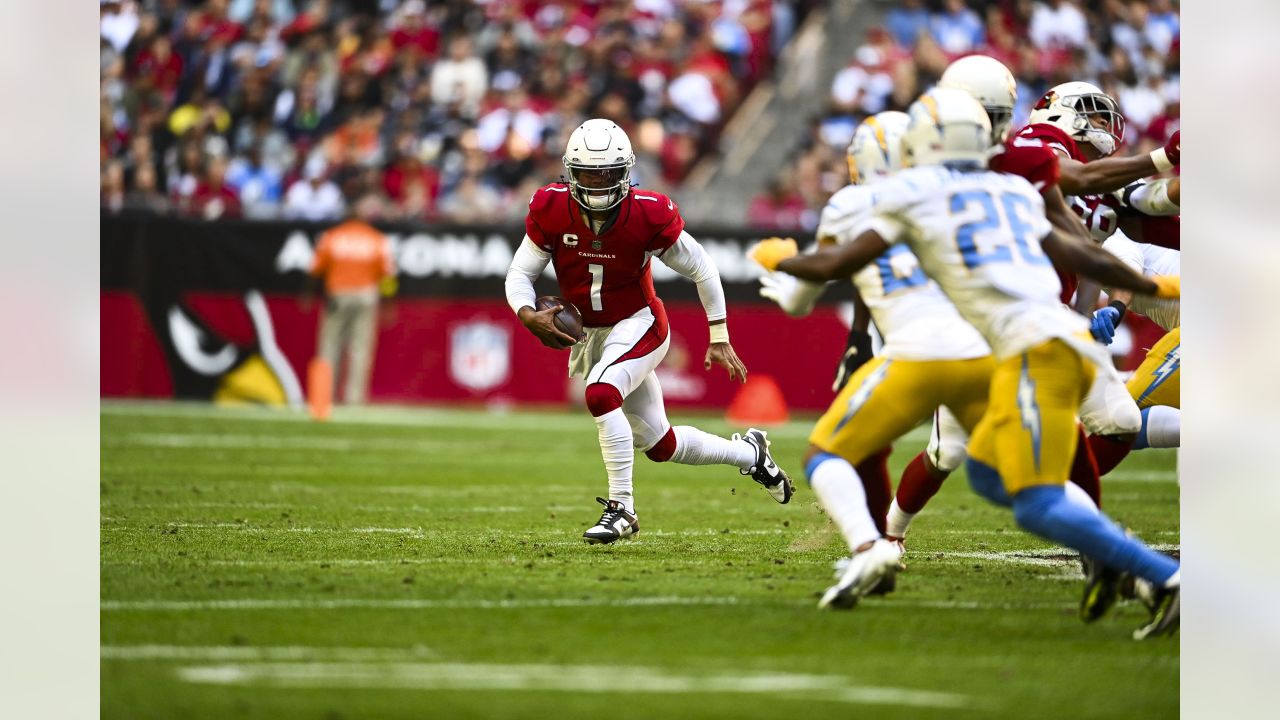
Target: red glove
1173, 148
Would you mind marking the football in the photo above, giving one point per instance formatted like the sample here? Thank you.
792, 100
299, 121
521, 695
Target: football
568, 320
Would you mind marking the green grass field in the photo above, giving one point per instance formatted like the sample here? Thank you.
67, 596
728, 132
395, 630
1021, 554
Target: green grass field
398, 563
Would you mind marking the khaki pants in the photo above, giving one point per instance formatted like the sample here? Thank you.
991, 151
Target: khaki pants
349, 324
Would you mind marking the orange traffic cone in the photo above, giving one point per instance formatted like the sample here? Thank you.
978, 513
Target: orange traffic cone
319, 388
759, 402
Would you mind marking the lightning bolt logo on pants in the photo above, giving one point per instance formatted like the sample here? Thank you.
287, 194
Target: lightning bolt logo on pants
863, 393
1029, 410
1172, 361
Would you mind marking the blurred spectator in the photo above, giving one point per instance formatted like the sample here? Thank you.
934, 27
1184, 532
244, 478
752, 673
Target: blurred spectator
1162, 26
471, 201
145, 193
780, 207
413, 32
258, 84
957, 29
201, 112
113, 193
119, 22
460, 77
906, 20
212, 198
158, 68
1058, 23
313, 197
258, 185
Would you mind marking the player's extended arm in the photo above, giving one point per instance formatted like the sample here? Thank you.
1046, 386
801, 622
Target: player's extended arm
1158, 197
824, 265
1092, 261
691, 260
797, 298
1108, 174
839, 261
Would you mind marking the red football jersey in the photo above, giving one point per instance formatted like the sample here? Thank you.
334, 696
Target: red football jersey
606, 276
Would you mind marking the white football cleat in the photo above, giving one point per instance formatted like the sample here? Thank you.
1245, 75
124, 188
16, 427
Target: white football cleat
615, 523
863, 572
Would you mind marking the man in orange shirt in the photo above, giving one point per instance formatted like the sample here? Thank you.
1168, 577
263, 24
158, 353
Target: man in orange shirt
354, 261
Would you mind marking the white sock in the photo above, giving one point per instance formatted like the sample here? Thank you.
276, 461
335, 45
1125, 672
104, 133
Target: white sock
1077, 496
840, 491
1164, 426
1175, 580
619, 455
695, 447
898, 521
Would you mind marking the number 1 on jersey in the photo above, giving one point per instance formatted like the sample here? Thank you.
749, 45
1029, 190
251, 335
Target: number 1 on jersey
597, 281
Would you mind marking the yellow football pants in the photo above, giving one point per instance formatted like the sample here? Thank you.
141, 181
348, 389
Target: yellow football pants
1157, 381
1029, 431
886, 398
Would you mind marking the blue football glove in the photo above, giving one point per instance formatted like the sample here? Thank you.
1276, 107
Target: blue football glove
1103, 326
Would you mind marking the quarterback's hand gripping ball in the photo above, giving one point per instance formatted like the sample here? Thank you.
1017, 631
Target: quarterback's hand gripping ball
556, 322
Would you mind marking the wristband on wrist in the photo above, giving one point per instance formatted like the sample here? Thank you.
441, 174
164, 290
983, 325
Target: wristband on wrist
1120, 307
1160, 159
719, 333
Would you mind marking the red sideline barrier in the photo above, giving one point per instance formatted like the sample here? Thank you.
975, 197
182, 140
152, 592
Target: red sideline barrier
435, 350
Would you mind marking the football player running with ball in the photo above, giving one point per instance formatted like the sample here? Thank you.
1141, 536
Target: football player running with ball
599, 233
982, 236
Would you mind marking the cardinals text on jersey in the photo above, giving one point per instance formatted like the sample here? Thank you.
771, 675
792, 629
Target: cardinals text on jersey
607, 276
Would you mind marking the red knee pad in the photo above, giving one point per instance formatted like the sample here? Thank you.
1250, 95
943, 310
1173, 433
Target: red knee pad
603, 398
664, 448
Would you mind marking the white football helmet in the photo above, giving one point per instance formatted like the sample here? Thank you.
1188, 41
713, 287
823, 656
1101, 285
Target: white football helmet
1084, 112
876, 149
991, 83
599, 160
947, 127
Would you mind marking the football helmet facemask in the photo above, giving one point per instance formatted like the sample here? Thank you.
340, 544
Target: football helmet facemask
599, 159
1085, 113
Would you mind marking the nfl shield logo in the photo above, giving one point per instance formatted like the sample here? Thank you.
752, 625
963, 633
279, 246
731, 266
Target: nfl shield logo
479, 355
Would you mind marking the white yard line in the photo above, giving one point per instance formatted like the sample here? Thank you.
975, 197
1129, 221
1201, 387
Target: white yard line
419, 417
562, 678
223, 653
413, 604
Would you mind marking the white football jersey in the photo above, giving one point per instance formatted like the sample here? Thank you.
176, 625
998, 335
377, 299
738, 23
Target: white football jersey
914, 317
977, 234
1149, 260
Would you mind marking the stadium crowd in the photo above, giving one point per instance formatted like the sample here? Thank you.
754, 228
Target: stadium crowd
451, 110
1129, 48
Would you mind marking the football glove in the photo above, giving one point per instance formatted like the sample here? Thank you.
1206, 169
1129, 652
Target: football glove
1103, 326
776, 287
771, 251
1168, 287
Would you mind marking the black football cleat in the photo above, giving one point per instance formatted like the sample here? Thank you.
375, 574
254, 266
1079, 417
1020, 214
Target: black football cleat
766, 471
1101, 589
1167, 614
615, 523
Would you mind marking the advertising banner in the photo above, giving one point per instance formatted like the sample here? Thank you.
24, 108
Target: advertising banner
203, 310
